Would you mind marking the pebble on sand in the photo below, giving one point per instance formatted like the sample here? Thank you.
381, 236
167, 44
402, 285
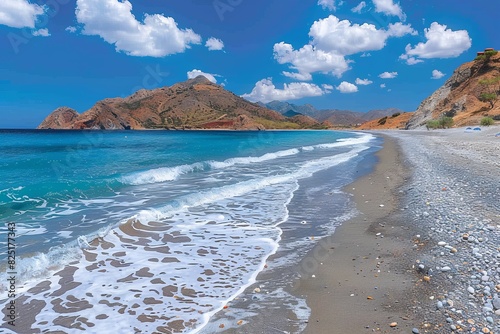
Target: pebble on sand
393, 324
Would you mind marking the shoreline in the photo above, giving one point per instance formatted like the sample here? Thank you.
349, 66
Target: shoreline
370, 290
425, 262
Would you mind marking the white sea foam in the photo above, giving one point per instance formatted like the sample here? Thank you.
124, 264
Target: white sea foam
252, 160
160, 174
178, 262
173, 173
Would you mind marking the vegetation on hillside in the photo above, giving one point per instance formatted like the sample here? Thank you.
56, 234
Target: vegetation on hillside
441, 123
490, 90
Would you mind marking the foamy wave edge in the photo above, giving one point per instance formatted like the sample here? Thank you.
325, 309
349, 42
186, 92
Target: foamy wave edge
165, 174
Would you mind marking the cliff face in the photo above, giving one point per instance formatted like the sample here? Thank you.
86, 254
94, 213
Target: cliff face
193, 104
459, 97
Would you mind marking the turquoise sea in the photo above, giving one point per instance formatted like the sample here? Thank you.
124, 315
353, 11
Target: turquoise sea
156, 231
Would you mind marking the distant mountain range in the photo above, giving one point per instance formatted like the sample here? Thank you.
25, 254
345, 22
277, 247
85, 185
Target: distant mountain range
335, 117
194, 104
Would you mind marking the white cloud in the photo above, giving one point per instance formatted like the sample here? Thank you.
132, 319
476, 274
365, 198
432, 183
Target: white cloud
308, 60
441, 43
194, 73
346, 38
265, 91
363, 82
366, 54
327, 87
388, 75
327, 4
19, 13
359, 7
388, 7
331, 41
437, 74
214, 44
399, 29
156, 36
382, 86
298, 76
71, 29
410, 60
347, 87
41, 32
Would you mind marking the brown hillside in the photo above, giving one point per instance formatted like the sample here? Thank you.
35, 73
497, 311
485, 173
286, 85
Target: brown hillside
389, 122
194, 104
460, 96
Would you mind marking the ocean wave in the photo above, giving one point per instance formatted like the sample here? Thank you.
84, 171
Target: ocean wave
164, 174
159, 175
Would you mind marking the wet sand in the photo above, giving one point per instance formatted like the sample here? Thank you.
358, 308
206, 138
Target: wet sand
360, 278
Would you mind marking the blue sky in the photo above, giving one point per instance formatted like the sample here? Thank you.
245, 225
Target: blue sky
350, 54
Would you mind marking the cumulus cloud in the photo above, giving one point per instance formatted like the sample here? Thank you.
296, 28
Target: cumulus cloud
113, 21
441, 43
410, 60
194, 73
359, 7
214, 44
327, 87
437, 74
265, 91
331, 41
382, 86
388, 75
20, 13
327, 4
388, 7
71, 29
346, 38
308, 60
347, 87
41, 32
399, 29
363, 82
298, 76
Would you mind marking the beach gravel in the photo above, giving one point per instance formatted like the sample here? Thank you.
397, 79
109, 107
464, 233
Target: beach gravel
453, 198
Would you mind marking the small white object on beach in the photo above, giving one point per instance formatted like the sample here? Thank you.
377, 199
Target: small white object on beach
445, 269
442, 243
303, 222
313, 276
381, 205
471, 290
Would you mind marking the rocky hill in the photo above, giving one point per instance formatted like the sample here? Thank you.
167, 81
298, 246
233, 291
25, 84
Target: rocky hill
194, 104
332, 116
395, 121
470, 94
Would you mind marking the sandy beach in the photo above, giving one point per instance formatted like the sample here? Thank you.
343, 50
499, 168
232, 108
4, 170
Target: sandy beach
422, 255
